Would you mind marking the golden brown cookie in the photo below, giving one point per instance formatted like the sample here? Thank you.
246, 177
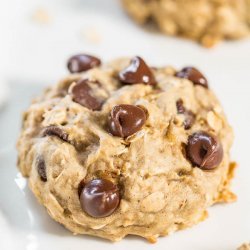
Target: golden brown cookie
207, 21
123, 148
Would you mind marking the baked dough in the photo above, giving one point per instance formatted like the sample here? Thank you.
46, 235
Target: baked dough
64, 145
245, 246
207, 21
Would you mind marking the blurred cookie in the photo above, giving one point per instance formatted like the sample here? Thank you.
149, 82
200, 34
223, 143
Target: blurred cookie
207, 21
244, 246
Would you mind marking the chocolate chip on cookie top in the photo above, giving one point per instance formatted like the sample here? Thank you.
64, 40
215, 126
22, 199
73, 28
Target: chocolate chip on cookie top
204, 150
137, 72
194, 75
83, 94
55, 131
125, 120
82, 62
41, 168
99, 198
189, 115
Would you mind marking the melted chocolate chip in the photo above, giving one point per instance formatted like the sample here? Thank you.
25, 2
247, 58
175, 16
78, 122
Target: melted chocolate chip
41, 169
137, 72
180, 106
82, 94
189, 119
55, 131
189, 115
99, 198
82, 62
125, 120
204, 150
194, 75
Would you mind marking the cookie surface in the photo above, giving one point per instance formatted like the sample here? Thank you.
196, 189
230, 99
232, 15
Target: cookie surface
123, 148
208, 22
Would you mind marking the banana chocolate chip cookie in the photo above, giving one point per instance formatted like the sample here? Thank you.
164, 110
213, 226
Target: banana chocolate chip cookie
207, 21
122, 148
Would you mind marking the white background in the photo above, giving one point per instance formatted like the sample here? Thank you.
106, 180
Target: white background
33, 53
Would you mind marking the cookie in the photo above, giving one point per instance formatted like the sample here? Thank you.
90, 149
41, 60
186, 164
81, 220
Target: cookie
208, 22
244, 246
122, 148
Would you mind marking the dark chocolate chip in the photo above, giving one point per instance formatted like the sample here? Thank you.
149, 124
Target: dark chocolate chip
137, 72
189, 115
82, 62
189, 119
41, 168
82, 94
125, 120
55, 131
99, 198
194, 75
180, 106
204, 150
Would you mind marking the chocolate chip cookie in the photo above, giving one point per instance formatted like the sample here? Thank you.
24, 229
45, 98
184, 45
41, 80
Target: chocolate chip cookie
245, 246
124, 148
207, 21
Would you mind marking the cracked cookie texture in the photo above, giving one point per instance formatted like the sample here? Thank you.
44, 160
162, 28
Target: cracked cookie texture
207, 21
100, 174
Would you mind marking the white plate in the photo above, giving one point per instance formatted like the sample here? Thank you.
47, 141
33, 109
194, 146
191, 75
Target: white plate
39, 51
4, 91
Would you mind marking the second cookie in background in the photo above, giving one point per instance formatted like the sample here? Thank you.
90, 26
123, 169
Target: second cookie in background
206, 21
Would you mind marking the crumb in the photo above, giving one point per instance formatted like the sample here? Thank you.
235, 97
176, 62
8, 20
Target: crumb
41, 16
91, 35
152, 239
209, 41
